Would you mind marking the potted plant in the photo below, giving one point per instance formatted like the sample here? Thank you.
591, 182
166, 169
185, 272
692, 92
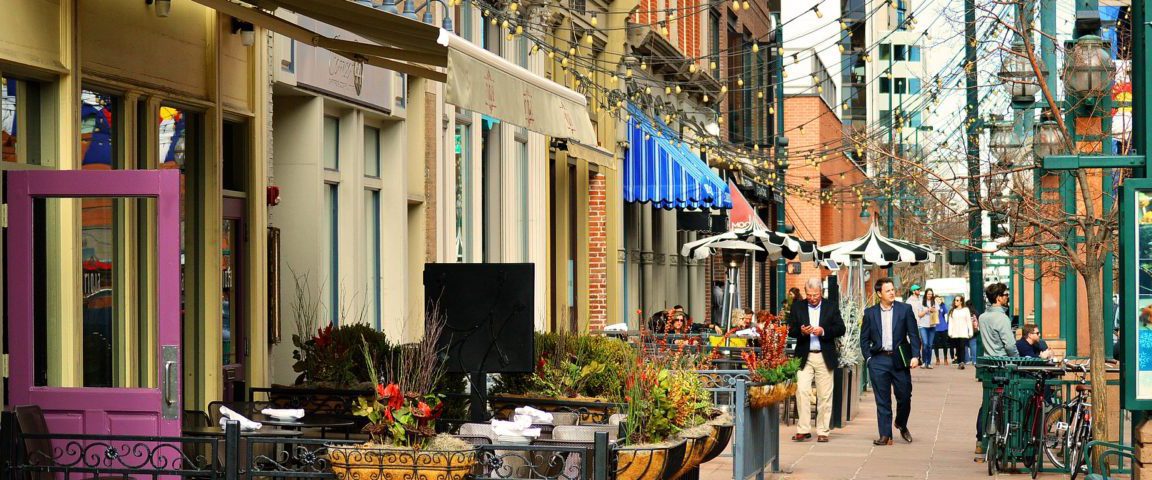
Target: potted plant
771, 369
402, 421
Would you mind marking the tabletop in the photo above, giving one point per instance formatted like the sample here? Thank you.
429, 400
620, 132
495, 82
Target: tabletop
251, 410
219, 432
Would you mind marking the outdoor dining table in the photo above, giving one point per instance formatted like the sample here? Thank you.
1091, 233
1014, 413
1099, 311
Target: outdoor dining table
321, 421
219, 432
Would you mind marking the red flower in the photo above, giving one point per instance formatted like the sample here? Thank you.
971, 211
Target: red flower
323, 336
391, 394
423, 410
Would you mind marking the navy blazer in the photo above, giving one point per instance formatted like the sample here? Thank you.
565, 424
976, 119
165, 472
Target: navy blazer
903, 329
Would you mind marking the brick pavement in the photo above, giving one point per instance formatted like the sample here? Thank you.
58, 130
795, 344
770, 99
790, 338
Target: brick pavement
944, 404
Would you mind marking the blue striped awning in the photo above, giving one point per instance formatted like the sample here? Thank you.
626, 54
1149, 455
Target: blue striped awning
661, 169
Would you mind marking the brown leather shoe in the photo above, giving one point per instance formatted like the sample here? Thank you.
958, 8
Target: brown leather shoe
882, 441
801, 437
822, 438
905, 434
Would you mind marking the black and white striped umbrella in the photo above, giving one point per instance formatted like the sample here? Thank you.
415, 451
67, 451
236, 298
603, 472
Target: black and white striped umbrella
876, 249
773, 245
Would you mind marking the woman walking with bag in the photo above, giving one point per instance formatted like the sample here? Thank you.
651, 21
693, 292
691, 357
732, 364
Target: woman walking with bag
960, 329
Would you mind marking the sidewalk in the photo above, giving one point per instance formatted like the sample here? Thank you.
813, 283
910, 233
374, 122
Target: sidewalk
944, 405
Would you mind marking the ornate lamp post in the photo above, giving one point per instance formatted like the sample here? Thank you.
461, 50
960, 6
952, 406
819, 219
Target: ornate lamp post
1017, 74
1003, 141
1088, 68
1047, 139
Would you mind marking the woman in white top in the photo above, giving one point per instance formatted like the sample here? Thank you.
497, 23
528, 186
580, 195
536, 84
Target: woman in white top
959, 328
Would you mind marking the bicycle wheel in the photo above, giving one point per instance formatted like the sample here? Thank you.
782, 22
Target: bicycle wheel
1037, 456
991, 437
1055, 436
1079, 453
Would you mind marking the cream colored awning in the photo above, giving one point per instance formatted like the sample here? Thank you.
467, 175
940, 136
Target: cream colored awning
596, 155
476, 79
484, 82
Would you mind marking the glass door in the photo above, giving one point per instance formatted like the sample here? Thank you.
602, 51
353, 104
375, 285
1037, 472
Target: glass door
93, 279
234, 343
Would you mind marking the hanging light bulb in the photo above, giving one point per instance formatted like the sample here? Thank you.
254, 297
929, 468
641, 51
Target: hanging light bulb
784, 74
593, 20
643, 65
551, 54
494, 23
519, 29
512, 7
612, 80
746, 6
564, 62
705, 98
647, 90
535, 48
509, 36
736, 6
572, 52
771, 110
678, 89
841, 48
819, 89
720, 119
588, 38
692, 68
740, 82
817, 11
628, 72
780, 51
723, 89
755, 47
663, 29
485, 13
504, 25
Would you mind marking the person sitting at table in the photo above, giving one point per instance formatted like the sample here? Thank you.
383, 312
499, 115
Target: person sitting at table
1030, 343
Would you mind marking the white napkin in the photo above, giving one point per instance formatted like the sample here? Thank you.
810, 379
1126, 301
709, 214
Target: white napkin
521, 425
292, 413
617, 327
748, 332
246, 425
537, 416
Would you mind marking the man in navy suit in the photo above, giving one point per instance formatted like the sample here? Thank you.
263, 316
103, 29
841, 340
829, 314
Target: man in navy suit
891, 347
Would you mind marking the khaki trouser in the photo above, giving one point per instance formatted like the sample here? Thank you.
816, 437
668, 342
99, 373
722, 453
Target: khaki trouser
814, 368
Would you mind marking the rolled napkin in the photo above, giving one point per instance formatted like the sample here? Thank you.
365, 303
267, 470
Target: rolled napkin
246, 425
284, 413
520, 426
617, 327
747, 333
538, 416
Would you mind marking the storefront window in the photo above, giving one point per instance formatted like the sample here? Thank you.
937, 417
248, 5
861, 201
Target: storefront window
371, 151
463, 191
372, 255
99, 117
20, 121
332, 251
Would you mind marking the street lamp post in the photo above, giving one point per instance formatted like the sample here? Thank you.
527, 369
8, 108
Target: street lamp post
781, 154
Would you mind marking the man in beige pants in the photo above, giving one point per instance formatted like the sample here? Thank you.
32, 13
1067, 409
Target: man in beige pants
816, 325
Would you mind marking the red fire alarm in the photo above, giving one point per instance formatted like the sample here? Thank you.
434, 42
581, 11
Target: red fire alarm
273, 194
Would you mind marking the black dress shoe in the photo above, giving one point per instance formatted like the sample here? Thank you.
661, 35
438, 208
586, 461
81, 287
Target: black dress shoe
905, 434
882, 441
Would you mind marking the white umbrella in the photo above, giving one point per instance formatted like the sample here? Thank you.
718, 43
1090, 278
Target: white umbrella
876, 249
770, 245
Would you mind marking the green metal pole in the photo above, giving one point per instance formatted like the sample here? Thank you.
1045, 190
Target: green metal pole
891, 143
1107, 200
782, 169
972, 139
1048, 56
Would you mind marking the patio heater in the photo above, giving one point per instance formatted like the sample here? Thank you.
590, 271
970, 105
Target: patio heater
734, 256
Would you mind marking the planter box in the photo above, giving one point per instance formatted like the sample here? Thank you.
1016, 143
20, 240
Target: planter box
591, 410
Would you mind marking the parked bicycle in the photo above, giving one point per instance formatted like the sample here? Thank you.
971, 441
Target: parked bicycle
1068, 426
997, 428
1035, 409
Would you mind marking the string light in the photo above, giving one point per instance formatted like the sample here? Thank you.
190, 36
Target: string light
816, 10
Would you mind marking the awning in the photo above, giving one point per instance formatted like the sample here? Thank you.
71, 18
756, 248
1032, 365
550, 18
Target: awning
596, 155
476, 79
661, 169
484, 82
742, 215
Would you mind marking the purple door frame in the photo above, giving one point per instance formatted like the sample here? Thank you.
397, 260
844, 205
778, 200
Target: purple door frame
115, 411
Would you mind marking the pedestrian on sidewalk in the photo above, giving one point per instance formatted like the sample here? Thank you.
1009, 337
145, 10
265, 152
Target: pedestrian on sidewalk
971, 353
997, 338
942, 344
960, 329
891, 348
923, 323
815, 324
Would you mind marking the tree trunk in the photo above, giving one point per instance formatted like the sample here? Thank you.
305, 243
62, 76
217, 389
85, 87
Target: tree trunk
1100, 407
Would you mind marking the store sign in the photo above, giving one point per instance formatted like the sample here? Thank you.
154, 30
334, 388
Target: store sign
1136, 279
323, 70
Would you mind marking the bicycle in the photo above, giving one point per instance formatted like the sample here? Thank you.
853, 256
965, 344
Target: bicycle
1034, 414
996, 428
1068, 426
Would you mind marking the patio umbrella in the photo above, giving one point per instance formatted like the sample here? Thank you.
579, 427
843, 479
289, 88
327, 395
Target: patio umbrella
771, 245
876, 249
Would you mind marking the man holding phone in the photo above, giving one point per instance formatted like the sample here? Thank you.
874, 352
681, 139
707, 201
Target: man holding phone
816, 325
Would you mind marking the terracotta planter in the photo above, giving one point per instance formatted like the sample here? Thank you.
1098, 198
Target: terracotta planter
767, 395
721, 435
650, 462
362, 462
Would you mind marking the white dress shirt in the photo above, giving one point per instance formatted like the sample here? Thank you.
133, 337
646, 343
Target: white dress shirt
886, 328
814, 320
